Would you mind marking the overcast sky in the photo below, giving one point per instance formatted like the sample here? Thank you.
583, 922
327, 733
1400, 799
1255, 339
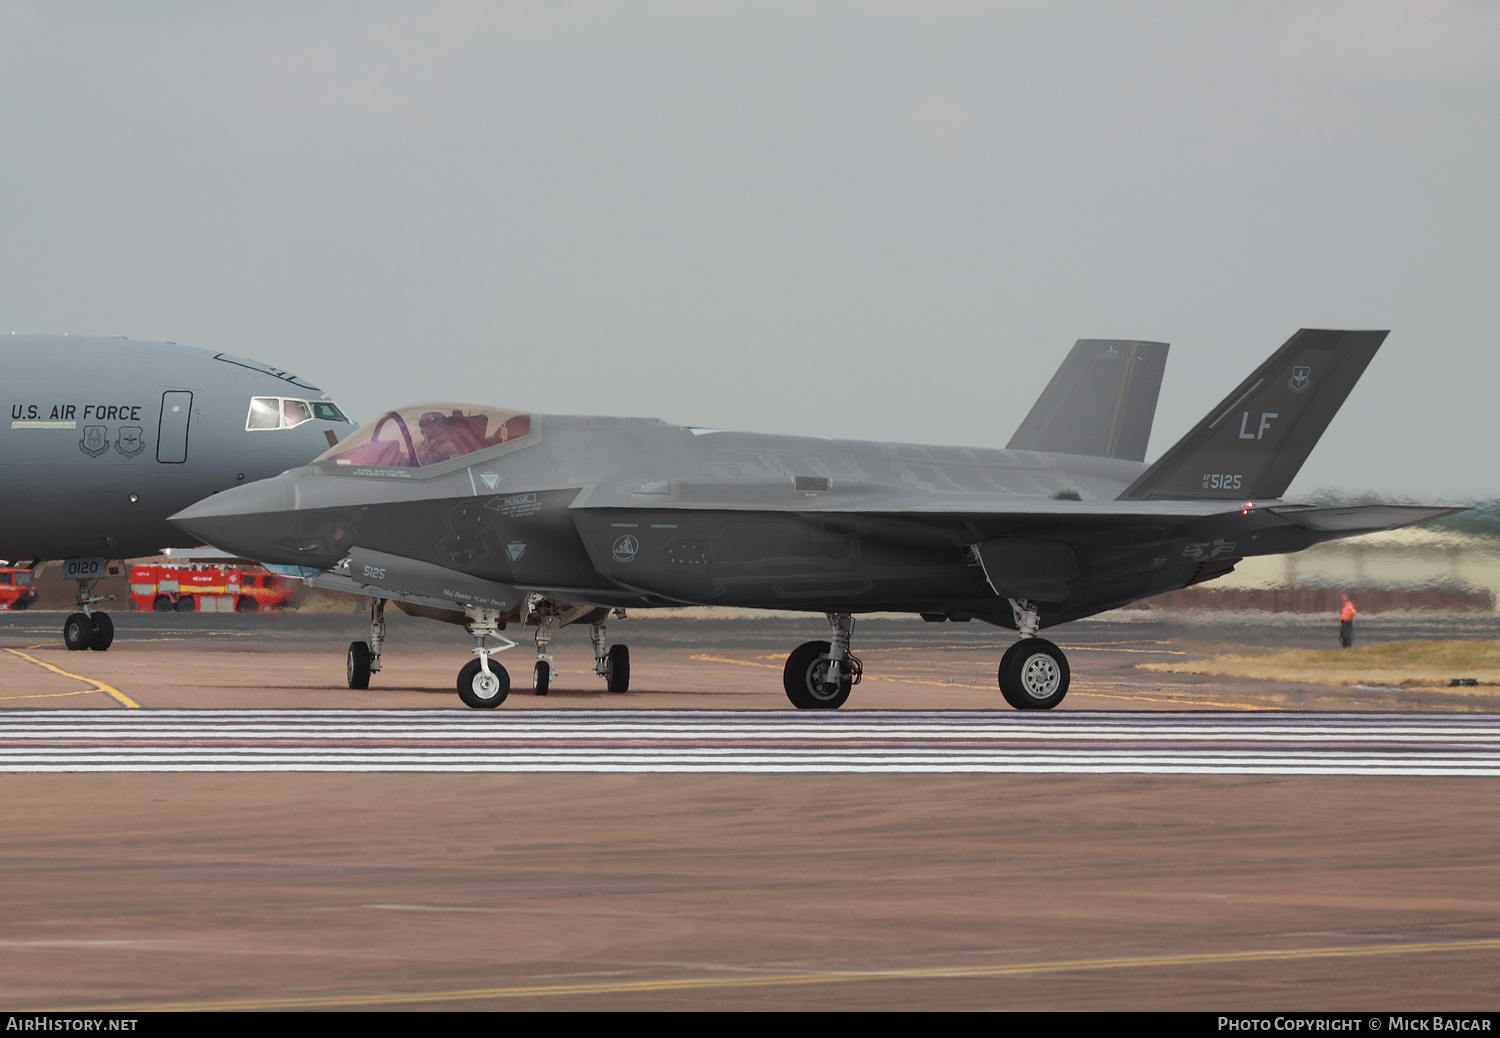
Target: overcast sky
884, 220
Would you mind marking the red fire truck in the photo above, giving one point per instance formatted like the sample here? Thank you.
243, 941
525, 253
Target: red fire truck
206, 588
16, 589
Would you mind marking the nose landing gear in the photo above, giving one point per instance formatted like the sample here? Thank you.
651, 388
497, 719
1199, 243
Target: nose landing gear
481, 684
87, 629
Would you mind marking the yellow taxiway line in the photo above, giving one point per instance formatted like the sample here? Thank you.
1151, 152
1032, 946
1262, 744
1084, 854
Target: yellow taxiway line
1354, 951
99, 686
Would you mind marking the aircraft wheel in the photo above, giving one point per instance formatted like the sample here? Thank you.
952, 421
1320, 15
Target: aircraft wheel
184, 604
617, 669
358, 668
104, 632
482, 691
1034, 674
805, 679
245, 604
541, 677
78, 631
161, 604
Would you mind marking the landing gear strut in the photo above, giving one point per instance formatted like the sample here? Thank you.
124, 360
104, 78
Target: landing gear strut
545, 613
612, 664
482, 684
1033, 672
820, 675
364, 657
87, 629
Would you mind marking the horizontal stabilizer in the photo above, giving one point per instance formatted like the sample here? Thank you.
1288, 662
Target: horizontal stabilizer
1253, 443
1101, 402
1363, 518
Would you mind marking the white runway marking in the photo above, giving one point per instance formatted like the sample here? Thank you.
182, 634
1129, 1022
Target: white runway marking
770, 742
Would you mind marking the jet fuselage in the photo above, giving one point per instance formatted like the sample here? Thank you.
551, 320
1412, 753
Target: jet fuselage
636, 512
103, 438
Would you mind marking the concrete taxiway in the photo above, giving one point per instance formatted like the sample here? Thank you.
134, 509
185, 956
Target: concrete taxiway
931, 849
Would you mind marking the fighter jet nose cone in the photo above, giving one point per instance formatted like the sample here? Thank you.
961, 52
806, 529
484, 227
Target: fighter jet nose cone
255, 521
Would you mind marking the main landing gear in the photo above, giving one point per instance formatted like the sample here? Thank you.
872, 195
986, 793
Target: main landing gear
364, 657
1033, 672
820, 675
483, 683
87, 629
612, 663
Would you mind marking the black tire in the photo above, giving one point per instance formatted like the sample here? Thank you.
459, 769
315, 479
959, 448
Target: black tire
802, 679
78, 631
541, 677
21, 603
104, 632
472, 689
1034, 674
185, 604
617, 669
161, 604
357, 667
246, 604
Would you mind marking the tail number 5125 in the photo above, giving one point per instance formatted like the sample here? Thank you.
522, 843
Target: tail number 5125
1221, 481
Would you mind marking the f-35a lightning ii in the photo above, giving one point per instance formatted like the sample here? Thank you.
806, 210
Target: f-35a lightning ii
486, 517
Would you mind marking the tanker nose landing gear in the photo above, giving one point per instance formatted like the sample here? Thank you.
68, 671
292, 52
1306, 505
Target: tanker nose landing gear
1033, 672
87, 629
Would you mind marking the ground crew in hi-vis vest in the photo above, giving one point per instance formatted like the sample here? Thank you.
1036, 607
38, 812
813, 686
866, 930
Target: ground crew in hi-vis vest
1346, 623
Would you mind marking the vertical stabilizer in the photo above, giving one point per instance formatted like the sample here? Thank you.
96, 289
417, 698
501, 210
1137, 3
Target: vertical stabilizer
1101, 402
1252, 444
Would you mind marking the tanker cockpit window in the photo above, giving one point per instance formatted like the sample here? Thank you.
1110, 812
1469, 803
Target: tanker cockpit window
265, 413
294, 413
428, 434
280, 412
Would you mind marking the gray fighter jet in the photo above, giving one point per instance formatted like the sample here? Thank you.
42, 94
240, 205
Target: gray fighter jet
107, 437
486, 517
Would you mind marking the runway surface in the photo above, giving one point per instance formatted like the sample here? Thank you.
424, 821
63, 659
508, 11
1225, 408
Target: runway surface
212, 820
748, 742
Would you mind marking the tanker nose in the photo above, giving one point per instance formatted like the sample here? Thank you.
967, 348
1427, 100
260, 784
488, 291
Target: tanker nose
255, 521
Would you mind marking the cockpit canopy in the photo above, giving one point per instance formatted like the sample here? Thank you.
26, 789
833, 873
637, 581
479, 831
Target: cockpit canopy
428, 434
